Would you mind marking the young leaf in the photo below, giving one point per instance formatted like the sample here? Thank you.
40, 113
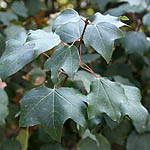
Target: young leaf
116, 100
3, 106
101, 37
67, 58
51, 108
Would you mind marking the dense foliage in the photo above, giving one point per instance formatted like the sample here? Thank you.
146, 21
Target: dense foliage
75, 75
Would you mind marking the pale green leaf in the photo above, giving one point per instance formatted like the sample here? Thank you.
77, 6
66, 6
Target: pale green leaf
98, 17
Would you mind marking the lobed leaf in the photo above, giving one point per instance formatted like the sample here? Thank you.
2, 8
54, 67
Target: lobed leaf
66, 58
51, 108
101, 37
116, 100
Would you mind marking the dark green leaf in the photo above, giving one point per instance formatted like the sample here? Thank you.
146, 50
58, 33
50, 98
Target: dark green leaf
51, 108
52, 147
2, 44
11, 145
90, 144
88, 58
3, 106
138, 141
120, 133
32, 10
135, 42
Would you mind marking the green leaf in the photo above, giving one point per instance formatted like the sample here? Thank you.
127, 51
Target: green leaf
120, 133
135, 42
18, 53
66, 16
124, 18
85, 78
71, 31
7, 17
116, 100
66, 58
101, 37
11, 145
88, 58
122, 9
134, 108
102, 3
146, 19
90, 144
32, 10
98, 17
15, 57
12, 31
23, 138
55, 146
122, 80
19, 9
3, 106
2, 44
51, 108
43, 41
138, 141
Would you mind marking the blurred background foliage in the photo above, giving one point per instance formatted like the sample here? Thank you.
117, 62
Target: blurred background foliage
130, 65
